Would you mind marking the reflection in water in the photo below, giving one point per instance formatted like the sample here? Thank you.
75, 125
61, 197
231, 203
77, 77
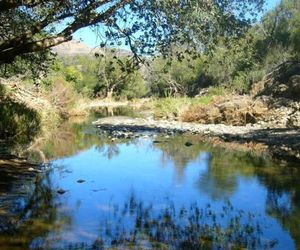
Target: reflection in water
110, 151
29, 212
192, 227
137, 193
283, 200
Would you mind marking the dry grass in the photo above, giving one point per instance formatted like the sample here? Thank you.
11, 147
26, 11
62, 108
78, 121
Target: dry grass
232, 110
63, 96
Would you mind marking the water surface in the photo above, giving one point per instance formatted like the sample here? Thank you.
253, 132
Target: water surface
151, 192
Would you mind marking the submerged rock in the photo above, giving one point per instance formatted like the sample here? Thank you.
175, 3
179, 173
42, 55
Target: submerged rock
61, 191
188, 144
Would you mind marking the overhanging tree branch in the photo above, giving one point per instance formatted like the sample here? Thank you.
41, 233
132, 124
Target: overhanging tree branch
156, 24
26, 43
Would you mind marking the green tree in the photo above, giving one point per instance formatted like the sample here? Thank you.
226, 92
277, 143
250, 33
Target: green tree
178, 77
279, 30
135, 87
232, 66
119, 76
264, 46
72, 74
88, 69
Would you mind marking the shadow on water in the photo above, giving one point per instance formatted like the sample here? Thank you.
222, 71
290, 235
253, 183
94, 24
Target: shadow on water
148, 193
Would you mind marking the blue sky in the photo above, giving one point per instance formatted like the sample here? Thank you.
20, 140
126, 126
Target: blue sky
88, 36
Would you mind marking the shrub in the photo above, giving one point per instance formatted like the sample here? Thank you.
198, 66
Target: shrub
170, 107
63, 96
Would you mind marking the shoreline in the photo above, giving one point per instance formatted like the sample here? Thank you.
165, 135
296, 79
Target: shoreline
282, 143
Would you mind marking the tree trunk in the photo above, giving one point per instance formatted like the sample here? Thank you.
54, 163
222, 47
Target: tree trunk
109, 93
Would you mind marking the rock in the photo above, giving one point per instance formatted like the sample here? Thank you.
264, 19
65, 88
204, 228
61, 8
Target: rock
61, 191
80, 181
34, 170
188, 144
294, 120
283, 81
97, 190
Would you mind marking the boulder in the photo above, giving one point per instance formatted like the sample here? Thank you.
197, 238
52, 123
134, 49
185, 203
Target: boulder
282, 82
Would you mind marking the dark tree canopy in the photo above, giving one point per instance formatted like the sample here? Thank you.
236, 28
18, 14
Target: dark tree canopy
144, 26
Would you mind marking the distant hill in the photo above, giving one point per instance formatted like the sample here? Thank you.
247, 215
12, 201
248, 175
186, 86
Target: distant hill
74, 48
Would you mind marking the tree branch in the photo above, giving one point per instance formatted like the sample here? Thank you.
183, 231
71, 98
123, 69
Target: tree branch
7, 56
85, 19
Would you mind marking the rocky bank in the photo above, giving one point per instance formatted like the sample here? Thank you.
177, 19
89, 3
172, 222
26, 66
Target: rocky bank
269, 116
283, 143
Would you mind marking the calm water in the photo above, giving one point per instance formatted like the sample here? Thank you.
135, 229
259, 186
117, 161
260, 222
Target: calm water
149, 193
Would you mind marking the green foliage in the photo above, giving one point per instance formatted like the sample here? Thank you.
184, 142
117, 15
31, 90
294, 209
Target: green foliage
98, 77
134, 88
32, 66
236, 61
170, 107
259, 51
174, 107
72, 74
230, 66
145, 26
295, 33
177, 77
119, 77
214, 91
87, 66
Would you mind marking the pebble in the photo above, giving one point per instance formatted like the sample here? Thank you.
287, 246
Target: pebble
129, 127
34, 170
80, 181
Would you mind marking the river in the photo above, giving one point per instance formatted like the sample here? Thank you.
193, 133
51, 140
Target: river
150, 192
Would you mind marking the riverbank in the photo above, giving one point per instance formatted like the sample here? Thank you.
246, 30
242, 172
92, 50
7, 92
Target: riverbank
282, 143
269, 115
